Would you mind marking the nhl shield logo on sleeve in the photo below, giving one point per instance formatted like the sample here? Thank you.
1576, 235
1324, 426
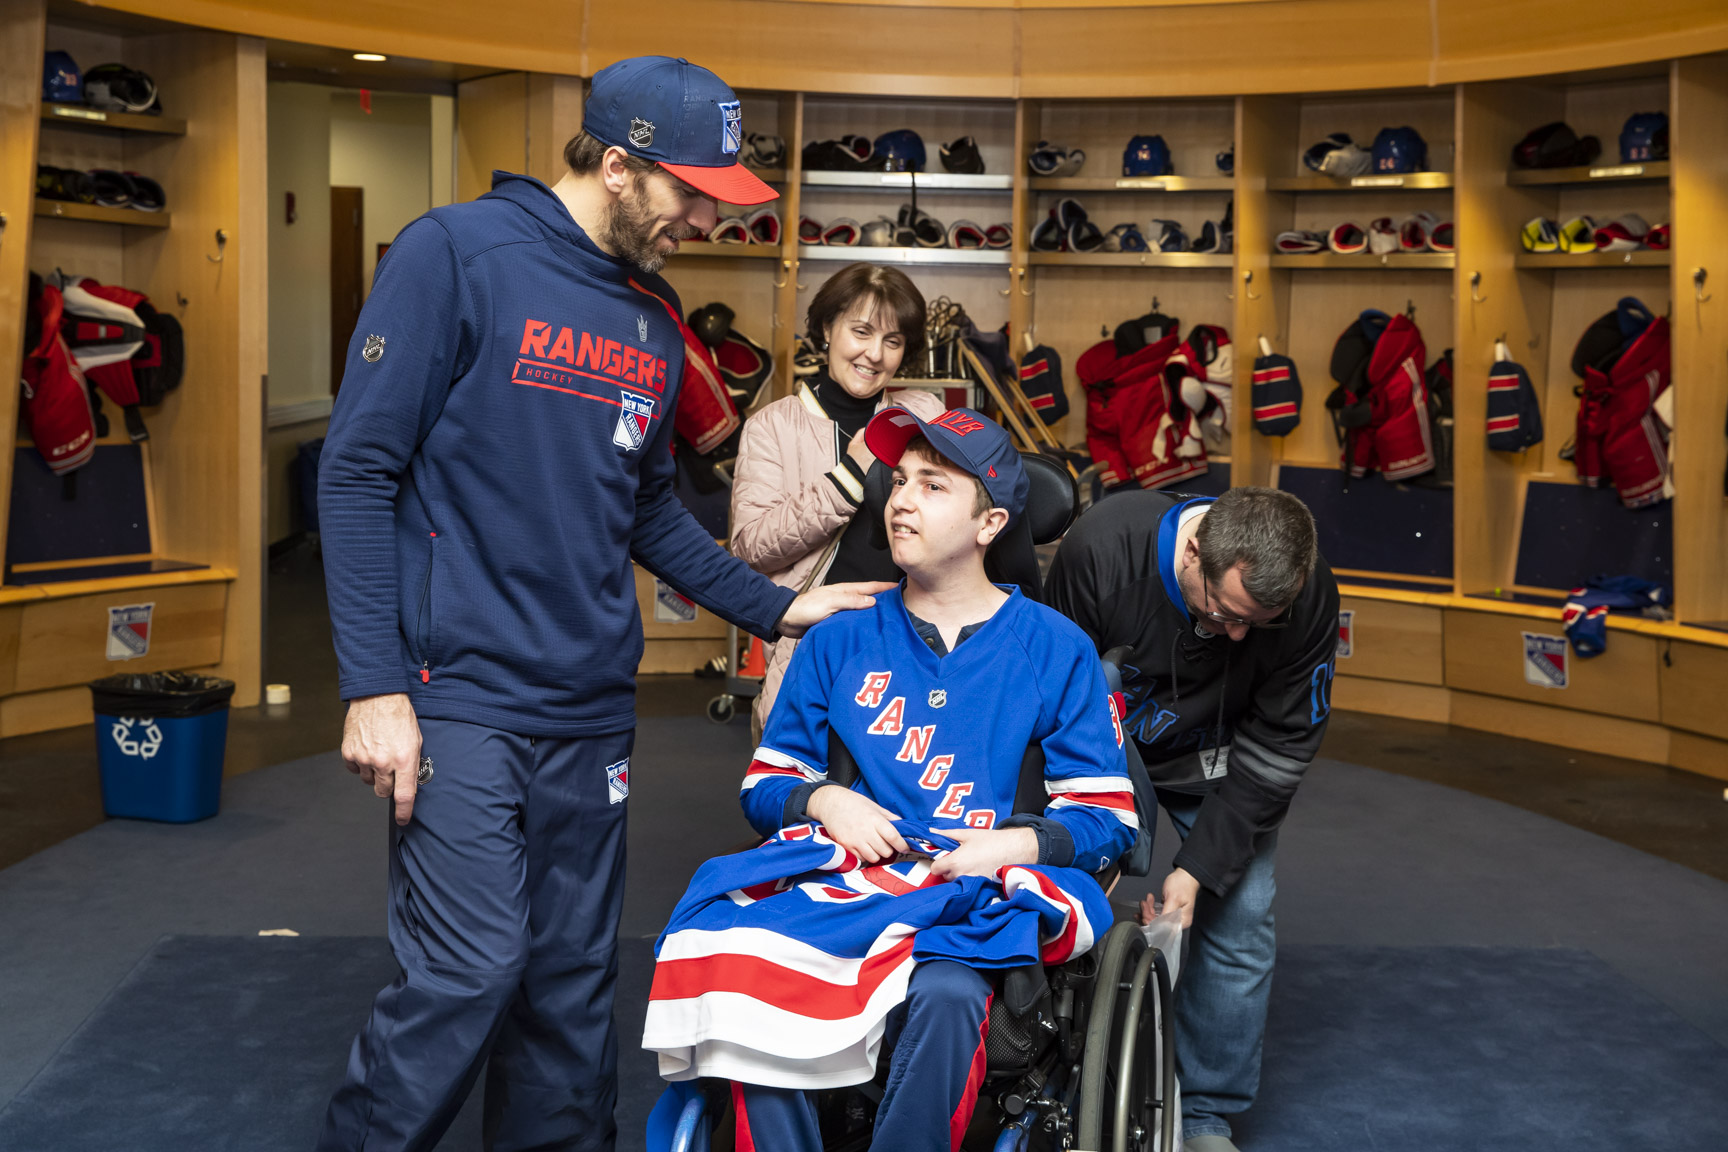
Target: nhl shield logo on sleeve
129, 631
617, 782
1346, 633
633, 421
374, 349
1545, 660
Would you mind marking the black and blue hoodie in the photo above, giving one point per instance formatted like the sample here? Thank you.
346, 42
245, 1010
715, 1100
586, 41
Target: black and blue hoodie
499, 451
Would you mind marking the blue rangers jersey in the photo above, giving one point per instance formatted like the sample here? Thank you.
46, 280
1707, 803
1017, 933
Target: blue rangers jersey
940, 739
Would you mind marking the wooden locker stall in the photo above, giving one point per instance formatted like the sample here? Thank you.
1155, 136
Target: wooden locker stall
195, 535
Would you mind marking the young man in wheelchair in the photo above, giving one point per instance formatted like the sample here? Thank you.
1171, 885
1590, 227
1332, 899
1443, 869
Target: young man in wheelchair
936, 694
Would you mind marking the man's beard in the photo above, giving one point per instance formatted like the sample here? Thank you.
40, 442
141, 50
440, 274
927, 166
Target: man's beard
629, 229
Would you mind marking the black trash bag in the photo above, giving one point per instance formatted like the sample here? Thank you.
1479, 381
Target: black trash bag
160, 695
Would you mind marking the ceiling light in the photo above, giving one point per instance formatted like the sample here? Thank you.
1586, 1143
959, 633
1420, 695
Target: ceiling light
370, 57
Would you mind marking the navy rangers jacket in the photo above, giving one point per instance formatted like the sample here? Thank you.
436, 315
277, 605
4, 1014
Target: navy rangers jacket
499, 451
1238, 721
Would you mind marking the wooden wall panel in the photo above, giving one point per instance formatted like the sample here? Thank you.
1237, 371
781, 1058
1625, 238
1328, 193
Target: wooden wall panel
1393, 641
1392, 698
706, 626
1264, 127
554, 116
64, 642
11, 621
989, 47
1699, 127
21, 31
491, 130
1484, 654
1698, 754
1694, 687
1503, 303
1566, 727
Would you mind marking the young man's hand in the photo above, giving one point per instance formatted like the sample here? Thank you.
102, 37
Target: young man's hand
856, 823
984, 850
816, 605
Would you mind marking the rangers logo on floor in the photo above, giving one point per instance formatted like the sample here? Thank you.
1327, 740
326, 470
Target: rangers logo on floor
1545, 660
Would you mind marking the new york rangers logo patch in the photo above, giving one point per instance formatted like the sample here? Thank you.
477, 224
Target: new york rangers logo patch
618, 781
633, 421
731, 126
1545, 660
129, 631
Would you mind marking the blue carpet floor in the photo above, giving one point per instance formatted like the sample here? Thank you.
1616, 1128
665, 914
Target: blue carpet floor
1367, 861
236, 1042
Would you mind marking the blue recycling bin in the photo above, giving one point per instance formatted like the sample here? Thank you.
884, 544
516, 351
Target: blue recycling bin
160, 738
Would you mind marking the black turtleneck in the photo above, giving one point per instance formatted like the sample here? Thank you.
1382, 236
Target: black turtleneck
858, 556
845, 409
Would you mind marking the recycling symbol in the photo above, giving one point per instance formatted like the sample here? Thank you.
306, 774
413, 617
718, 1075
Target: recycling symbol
145, 745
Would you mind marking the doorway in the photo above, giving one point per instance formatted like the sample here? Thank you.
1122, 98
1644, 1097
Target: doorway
347, 259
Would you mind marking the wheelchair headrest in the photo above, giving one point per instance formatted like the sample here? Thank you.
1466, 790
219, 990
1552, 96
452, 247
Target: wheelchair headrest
1054, 500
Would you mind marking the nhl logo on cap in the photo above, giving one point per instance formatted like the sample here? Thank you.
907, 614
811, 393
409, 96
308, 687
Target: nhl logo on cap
642, 133
731, 126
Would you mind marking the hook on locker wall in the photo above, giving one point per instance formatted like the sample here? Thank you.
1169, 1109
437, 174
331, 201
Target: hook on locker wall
1475, 296
1699, 275
221, 247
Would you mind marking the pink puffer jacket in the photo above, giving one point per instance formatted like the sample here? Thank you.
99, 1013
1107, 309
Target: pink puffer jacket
786, 509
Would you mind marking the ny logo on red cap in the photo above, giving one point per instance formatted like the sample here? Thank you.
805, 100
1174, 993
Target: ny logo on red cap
957, 422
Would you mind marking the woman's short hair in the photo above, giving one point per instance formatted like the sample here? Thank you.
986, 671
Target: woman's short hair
890, 294
1270, 533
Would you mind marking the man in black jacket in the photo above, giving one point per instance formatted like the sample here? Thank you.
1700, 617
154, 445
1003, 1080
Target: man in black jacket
1233, 620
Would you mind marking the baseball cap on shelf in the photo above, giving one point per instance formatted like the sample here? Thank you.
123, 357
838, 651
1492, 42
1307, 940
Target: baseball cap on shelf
679, 115
973, 441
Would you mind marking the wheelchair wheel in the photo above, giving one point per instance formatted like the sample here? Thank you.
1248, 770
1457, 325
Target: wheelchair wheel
1128, 1070
722, 708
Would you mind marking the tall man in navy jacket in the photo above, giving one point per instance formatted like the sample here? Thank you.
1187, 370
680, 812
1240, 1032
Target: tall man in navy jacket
499, 452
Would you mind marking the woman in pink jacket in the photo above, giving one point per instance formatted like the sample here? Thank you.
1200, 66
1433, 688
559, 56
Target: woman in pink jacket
798, 483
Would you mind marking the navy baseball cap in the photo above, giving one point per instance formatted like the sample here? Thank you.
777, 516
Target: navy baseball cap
680, 115
973, 441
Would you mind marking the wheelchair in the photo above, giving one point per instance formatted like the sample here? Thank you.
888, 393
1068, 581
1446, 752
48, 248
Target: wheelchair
1080, 1056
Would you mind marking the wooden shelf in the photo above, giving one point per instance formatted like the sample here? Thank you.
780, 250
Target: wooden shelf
902, 181
1367, 262
1637, 258
61, 209
728, 251
1648, 172
1404, 182
78, 116
885, 255
1133, 184
1132, 259
767, 175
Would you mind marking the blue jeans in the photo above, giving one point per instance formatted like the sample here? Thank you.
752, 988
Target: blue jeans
1224, 986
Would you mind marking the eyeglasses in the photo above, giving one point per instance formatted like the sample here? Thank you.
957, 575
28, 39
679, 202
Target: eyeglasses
1282, 620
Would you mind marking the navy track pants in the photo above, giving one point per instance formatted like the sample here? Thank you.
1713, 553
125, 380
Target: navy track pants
505, 892
937, 1037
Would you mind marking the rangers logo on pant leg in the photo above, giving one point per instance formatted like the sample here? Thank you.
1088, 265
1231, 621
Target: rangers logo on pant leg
633, 421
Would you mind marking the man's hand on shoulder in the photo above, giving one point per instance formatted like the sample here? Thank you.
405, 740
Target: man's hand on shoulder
856, 823
381, 743
816, 605
983, 851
